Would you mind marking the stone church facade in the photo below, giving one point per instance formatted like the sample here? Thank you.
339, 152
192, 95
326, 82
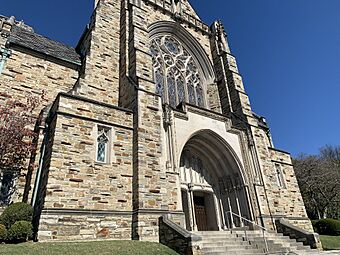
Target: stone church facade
147, 116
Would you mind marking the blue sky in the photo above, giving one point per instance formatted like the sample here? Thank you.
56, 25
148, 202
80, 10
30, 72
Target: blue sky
288, 53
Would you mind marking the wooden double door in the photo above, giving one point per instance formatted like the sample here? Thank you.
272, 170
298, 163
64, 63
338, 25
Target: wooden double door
200, 213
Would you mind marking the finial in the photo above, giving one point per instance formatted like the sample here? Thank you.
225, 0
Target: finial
221, 36
11, 21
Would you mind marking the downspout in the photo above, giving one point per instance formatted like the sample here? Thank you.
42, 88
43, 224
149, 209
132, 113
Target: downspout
5, 54
41, 161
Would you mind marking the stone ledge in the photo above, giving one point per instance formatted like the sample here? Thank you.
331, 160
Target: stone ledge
294, 232
56, 211
277, 150
84, 99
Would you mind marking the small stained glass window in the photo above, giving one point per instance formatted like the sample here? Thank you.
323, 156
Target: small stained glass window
103, 144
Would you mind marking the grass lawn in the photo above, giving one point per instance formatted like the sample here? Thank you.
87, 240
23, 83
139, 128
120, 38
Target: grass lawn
87, 248
330, 242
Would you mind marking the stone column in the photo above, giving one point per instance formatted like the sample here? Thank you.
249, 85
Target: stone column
191, 222
218, 212
238, 207
230, 214
192, 206
222, 214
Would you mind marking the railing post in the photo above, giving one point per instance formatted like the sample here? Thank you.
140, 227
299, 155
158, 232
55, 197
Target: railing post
265, 242
231, 214
245, 230
228, 222
239, 210
222, 213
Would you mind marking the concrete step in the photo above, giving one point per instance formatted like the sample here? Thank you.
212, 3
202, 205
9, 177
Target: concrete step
232, 253
239, 250
224, 243
235, 243
230, 247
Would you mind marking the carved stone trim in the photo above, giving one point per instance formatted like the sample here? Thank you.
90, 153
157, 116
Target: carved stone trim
181, 17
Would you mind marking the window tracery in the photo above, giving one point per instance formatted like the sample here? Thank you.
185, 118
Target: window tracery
177, 76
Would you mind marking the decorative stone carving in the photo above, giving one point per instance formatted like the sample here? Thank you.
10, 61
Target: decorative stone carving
177, 7
221, 37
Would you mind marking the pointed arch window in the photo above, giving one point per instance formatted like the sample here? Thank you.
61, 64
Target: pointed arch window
280, 177
103, 144
177, 76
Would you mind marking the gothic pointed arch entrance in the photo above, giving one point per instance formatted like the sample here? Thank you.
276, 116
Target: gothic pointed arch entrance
212, 184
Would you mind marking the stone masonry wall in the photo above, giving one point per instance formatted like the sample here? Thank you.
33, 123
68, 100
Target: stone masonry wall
100, 78
274, 202
279, 202
75, 179
27, 74
155, 188
76, 182
65, 225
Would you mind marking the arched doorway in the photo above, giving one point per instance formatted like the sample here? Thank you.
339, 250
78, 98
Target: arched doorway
212, 184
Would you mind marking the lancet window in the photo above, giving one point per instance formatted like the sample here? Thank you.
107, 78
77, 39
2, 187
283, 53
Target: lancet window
279, 177
177, 76
103, 141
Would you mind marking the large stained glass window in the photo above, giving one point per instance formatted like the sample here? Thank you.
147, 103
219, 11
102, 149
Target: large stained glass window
177, 76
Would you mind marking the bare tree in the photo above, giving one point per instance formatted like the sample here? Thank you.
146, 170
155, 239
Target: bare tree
319, 181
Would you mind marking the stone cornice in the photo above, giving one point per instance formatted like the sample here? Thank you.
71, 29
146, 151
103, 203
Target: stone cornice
88, 100
277, 150
185, 108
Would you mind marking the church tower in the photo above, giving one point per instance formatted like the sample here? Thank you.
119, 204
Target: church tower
153, 122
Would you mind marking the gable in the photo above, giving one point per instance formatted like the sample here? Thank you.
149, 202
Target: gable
187, 8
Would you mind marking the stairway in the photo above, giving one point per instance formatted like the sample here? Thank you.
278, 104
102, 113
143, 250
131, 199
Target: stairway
235, 243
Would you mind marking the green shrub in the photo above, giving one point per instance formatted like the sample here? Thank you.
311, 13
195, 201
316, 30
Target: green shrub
16, 212
327, 227
20, 231
3, 233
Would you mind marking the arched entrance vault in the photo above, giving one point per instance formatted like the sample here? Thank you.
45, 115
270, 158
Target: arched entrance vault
212, 184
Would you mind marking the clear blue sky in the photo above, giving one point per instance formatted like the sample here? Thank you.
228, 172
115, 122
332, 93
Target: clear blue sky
288, 52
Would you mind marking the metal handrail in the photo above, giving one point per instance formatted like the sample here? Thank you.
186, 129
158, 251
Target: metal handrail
245, 227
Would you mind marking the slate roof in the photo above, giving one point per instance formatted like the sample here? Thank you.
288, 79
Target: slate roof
29, 39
